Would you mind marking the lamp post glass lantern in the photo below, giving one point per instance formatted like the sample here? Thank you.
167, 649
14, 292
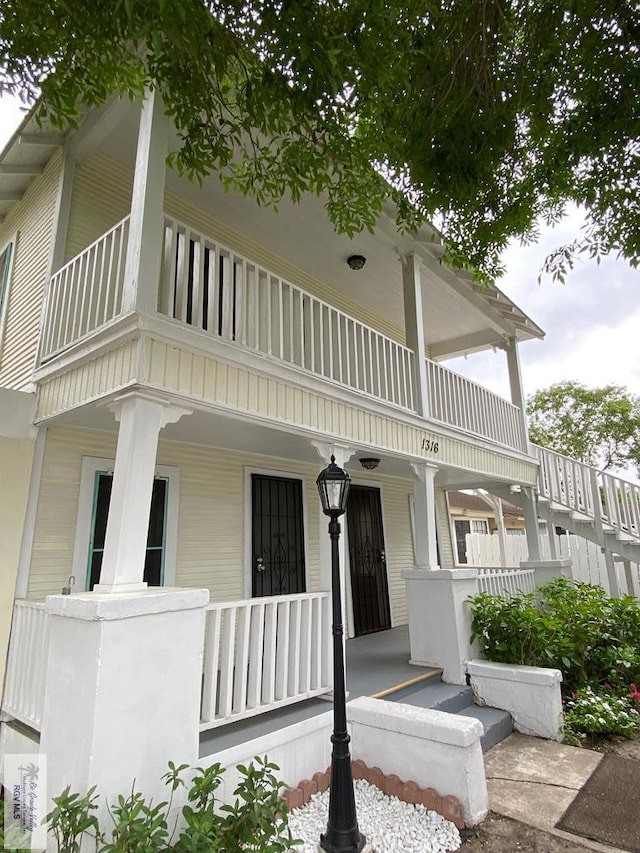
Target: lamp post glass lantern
342, 835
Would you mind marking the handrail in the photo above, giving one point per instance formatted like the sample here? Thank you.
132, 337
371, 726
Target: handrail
610, 501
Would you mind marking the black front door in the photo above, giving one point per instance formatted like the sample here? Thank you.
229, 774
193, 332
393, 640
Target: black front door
367, 561
278, 536
154, 560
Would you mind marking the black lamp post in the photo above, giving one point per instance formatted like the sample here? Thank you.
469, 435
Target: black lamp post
342, 835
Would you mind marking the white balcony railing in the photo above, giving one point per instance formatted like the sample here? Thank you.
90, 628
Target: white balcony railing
85, 293
26, 663
227, 296
459, 402
264, 653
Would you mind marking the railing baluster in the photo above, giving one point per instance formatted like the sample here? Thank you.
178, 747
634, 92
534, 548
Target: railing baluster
211, 662
227, 662
256, 655
282, 649
270, 640
241, 669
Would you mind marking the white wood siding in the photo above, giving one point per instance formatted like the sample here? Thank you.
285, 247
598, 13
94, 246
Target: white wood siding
211, 511
101, 197
32, 219
211, 544
88, 381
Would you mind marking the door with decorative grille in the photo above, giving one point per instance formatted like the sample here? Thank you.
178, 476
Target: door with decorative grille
368, 562
278, 565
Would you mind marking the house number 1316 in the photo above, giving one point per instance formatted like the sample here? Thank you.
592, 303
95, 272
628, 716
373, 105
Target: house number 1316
430, 444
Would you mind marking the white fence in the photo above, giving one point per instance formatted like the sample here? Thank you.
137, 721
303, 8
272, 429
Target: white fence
86, 292
588, 562
506, 581
26, 663
264, 653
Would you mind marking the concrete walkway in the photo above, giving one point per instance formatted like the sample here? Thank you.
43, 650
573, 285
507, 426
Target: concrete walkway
534, 781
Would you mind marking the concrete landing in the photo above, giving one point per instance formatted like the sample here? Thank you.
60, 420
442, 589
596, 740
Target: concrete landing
534, 781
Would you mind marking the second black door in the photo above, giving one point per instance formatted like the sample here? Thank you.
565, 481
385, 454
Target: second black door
368, 561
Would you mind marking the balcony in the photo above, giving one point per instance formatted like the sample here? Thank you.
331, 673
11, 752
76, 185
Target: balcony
229, 297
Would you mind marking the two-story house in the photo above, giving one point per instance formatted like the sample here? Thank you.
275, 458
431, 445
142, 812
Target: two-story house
176, 366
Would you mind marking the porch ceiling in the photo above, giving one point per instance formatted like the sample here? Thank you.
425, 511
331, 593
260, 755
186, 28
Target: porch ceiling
238, 434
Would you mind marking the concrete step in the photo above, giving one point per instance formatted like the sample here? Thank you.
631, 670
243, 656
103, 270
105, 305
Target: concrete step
436, 695
497, 724
456, 699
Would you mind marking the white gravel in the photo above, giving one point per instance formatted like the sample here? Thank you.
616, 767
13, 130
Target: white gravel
390, 825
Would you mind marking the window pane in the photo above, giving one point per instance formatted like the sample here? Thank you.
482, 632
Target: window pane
153, 567
156, 518
102, 509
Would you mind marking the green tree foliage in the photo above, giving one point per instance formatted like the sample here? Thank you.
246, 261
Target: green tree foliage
489, 114
598, 426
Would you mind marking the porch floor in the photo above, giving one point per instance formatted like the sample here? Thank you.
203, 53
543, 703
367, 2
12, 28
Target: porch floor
374, 663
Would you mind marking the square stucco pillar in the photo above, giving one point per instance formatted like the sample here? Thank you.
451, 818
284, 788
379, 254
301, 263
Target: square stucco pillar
122, 694
440, 619
424, 506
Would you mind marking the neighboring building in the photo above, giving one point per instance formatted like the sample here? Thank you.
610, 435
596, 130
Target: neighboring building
472, 513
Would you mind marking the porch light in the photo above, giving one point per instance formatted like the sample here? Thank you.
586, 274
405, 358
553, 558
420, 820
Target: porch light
369, 463
343, 834
333, 485
356, 262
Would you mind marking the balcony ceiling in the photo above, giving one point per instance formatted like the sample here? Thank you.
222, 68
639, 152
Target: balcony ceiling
458, 316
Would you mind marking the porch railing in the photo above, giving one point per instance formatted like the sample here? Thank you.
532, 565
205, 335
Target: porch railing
264, 653
598, 495
455, 400
226, 295
506, 581
86, 292
26, 663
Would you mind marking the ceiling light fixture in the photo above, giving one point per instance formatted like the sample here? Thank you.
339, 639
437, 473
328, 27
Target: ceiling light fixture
356, 262
369, 463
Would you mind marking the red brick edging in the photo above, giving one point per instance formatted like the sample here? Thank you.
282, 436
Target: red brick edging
409, 792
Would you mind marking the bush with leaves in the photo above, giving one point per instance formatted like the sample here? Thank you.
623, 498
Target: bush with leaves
257, 821
575, 627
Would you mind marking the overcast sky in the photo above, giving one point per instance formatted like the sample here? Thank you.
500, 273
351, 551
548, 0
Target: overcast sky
592, 322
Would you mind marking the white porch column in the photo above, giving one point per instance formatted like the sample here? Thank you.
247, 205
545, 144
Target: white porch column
531, 524
122, 694
414, 328
144, 249
141, 417
424, 506
517, 391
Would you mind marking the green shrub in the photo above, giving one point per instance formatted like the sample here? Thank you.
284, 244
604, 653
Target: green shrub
257, 820
574, 627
